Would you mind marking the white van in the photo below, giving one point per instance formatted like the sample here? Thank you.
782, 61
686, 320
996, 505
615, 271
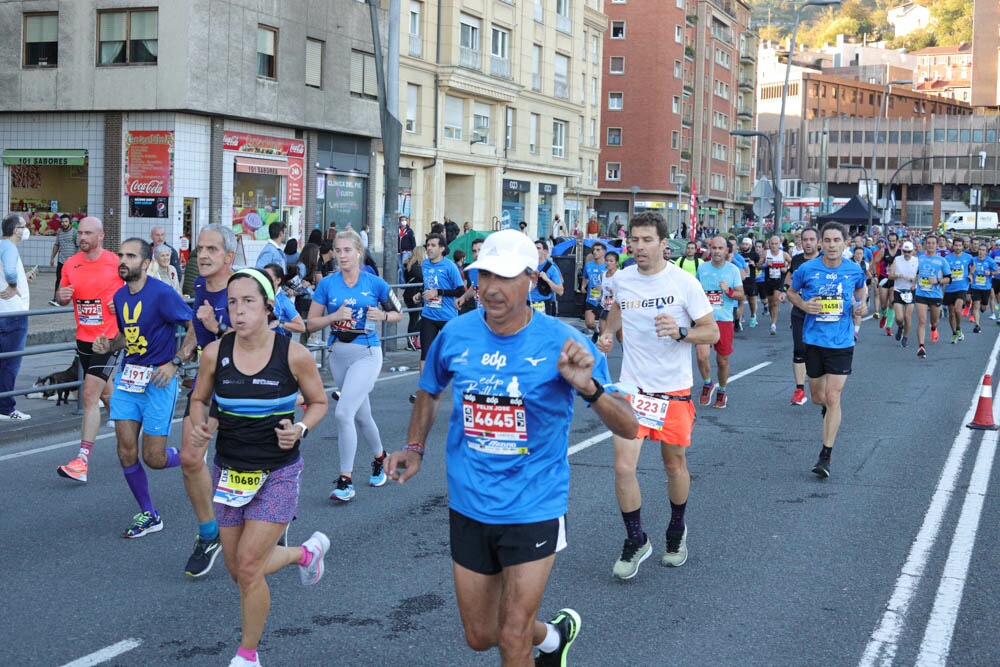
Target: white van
965, 221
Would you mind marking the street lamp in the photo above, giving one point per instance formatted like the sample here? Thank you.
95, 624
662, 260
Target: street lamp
770, 160
680, 178
784, 95
884, 109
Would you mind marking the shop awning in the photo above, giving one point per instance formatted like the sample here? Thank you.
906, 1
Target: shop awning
44, 157
253, 165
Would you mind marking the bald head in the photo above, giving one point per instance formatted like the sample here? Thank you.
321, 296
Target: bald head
158, 235
92, 223
90, 236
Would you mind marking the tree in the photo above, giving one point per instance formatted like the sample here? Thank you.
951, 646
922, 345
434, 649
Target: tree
952, 21
771, 32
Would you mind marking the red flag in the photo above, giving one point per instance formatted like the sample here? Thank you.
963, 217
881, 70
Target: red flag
694, 210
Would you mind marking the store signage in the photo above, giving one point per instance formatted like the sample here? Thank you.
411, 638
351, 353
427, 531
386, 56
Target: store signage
44, 158
149, 163
547, 189
242, 142
147, 207
650, 204
294, 195
516, 186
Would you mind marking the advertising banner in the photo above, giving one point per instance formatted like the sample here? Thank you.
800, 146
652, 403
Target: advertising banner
149, 163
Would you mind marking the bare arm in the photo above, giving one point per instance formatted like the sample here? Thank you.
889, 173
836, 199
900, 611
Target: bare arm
403, 465
610, 329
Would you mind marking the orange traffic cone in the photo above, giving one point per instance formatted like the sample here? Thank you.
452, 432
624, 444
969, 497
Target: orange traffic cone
983, 420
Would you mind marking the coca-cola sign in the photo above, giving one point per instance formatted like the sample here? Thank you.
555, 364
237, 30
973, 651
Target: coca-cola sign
149, 163
258, 144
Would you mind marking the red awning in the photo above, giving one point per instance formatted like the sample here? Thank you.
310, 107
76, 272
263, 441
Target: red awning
252, 165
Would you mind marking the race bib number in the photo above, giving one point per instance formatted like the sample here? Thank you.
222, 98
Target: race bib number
89, 312
433, 303
925, 283
774, 272
538, 305
831, 309
495, 424
980, 281
958, 274
594, 294
134, 378
906, 297
236, 488
714, 298
649, 410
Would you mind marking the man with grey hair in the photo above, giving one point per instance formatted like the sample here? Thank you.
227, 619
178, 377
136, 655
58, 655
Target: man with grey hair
159, 237
13, 298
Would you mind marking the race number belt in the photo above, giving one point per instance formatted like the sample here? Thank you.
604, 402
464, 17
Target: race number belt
237, 488
651, 409
715, 298
905, 295
89, 312
495, 424
135, 378
774, 272
433, 303
831, 309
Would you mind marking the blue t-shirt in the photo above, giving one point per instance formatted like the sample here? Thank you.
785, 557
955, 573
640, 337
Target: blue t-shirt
995, 253
594, 273
284, 310
709, 276
958, 267
740, 262
982, 272
552, 272
508, 433
929, 266
218, 301
370, 290
441, 275
835, 286
148, 319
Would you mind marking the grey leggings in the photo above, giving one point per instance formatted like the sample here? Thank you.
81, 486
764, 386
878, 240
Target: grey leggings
354, 369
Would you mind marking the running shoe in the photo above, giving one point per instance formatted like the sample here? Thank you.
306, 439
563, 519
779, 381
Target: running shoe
899, 333
632, 556
977, 329
335, 395
676, 553
993, 316
799, 397
413, 398
904, 341
753, 322
706, 393
774, 329
344, 490
961, 337
738, 326
410, 344
881, 322
144, 523
567, 624
15, 416
921, 352
888, 331
317, 545
935, 336
240, 661
203, 557
720, 399
965, 311
75, 469
822, 467
378, 477
54, 303
954, 338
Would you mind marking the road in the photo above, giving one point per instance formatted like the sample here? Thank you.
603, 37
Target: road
892, 560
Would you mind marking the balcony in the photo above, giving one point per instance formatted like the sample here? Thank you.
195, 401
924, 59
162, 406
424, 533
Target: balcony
746, 84
691, 19
743, 142
561, 89
689, 53
500, 67
688, 90
687, 120
747, 54
685, 155
416, 46
723, 34
564, 24
744, 111
470, 58
742, 169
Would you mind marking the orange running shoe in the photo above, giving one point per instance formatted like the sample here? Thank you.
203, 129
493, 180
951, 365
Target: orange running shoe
75, 469
934, 336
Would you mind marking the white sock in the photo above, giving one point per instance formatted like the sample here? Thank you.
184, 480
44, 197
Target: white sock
551, 641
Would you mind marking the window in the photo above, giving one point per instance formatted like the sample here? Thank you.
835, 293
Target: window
468, 52
560, 76
558, 138
615, 101
618, 30
675, 104
536, 67
364, 83
593, 91
617, 65
595, 49
592, 175
720, 120
673, 173
614, 136
678, 34
593, 132
677, 69
267, 59
412, 104
675, 139
511, 117
481, 122
454, 115
563, 22
500, 52
581, 131
533, 133
416, 42
127, 37
539, 11
314, 63
41, 40
584, 42
613, 171
583, 88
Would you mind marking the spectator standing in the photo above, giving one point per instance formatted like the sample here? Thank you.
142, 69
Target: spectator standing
159, 237
407, 242
274, 251
161, 268
291, 252
413, 273
64, 248
13, 298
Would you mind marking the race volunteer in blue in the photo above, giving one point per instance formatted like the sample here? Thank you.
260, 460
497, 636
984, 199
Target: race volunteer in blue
514, 374
549, 284
955, 293
355, 304
932, 272
830, 291
145, 390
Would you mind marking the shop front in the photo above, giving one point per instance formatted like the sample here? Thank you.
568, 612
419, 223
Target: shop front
343, 165
512, 202
43, 184
546, 198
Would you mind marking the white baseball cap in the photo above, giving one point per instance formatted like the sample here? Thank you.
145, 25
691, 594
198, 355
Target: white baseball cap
507, 253
907, 246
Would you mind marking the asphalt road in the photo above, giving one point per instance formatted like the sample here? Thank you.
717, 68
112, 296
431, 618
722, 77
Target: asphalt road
892, 560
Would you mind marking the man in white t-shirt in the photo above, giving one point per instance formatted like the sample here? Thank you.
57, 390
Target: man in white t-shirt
903, 274
663, 312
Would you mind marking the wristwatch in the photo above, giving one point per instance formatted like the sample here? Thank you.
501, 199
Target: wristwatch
176, 361
682, 333
599, 389
305, 430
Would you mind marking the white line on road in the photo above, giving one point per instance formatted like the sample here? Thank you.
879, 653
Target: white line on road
105, 654
884, 640
941, 625
601, 437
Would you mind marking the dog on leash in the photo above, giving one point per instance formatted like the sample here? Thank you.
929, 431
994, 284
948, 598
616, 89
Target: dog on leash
71, 374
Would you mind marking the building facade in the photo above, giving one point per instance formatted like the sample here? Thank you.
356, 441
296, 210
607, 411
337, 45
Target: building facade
944, 71
986, 54
668, 118
499, 105
183, 113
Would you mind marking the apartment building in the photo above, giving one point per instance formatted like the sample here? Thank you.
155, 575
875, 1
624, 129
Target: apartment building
944, 71
986, 54
183, 113
668, 116
499, 105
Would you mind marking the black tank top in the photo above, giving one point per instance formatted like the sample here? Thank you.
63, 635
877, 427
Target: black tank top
250, 407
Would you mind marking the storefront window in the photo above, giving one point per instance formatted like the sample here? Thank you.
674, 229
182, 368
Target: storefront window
42, 193
256, 202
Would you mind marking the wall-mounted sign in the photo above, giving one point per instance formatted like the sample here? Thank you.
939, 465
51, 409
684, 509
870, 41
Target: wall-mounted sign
149, 163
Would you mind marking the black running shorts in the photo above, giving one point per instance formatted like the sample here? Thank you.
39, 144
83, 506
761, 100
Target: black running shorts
488, 548
822, 361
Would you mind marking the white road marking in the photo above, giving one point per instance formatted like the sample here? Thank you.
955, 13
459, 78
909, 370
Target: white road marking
883, 644
941, 625
105, 654
601, 437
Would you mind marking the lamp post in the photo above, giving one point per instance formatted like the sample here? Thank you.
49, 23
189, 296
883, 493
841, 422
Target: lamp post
884, 109
680, 178
770, 160
784, 95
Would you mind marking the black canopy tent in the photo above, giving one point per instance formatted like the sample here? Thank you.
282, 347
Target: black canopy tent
854, 214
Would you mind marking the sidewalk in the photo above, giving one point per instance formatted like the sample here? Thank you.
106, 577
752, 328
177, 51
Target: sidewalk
49, 328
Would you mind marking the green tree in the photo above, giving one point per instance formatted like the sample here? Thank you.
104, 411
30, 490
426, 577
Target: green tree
952, 21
